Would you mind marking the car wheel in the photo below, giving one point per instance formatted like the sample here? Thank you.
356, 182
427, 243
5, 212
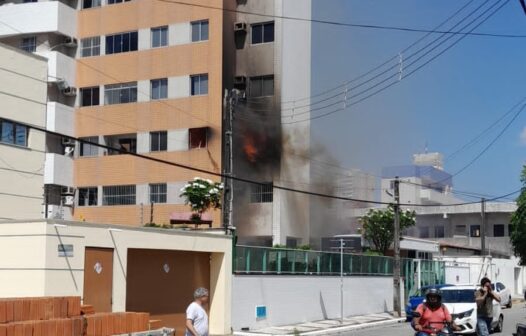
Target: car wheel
509, 303
500, 324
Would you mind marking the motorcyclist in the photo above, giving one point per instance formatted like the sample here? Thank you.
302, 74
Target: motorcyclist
432, 315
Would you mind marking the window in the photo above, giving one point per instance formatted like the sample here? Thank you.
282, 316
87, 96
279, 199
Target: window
199, 84
200, 31
439, 231
197, 137
122, 42
91, 3
120, 93
498, 230
261, 86
158, 193
29, 44
87, 149
474, 231
261, 193
159, 37
424, 232
89, 96
111, 2
118, 195
88, 196
158, 141
263, 33
13, 133
90, 46
28, 1
460, 230
159, 88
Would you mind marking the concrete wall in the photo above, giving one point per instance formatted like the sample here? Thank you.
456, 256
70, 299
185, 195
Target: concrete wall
21, 168
35, 269
294, 299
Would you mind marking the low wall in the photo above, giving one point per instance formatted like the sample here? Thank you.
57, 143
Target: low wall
295, 299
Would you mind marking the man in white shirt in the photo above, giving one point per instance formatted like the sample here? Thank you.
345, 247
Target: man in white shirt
196, 317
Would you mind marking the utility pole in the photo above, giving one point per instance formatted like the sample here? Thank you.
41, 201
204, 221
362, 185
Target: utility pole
230, 102
483, 227
342, 244
397, 306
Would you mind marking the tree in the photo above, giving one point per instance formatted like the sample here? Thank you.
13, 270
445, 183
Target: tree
202, 195
518, 223
378, 226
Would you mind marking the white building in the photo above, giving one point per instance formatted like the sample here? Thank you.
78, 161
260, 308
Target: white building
23, 87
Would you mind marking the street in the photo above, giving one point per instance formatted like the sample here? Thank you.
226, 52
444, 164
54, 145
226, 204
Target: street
511, 318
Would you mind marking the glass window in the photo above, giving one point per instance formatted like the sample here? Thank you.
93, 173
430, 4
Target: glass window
120, 93
460, 230
197, 137
200, 31
474, 231
263, 32
111, 2
439, 231
88, 196
122, 42
158, 141
261, 86
498, 230
159, 37
261, 193
159, 88
424, 232
13, 133
89, 96
199, 84
118, 195
29, 44
158, 193
90, 3
87, 149
90, 46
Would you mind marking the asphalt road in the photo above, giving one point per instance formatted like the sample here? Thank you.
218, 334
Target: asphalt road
511, 317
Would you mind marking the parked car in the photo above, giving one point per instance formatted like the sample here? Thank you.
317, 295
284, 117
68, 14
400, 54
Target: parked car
418, 298
504, 293
460, 301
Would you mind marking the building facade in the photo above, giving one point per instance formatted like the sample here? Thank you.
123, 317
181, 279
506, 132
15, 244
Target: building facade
22, 150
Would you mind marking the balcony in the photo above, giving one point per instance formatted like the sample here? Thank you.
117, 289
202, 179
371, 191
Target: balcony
60, 118
58, 170
38, 17
60, 67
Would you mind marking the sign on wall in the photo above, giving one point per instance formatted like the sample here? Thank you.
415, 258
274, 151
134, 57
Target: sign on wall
65, 250
261, 312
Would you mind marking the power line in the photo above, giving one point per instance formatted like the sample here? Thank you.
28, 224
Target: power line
345, 24
20, 195
239, 179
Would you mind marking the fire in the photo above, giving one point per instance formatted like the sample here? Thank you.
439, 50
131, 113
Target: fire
250, 149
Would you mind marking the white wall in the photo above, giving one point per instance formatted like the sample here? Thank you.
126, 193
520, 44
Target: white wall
58, 170
60, 118
294, 299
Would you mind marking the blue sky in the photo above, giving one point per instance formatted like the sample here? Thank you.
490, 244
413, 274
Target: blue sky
445, 104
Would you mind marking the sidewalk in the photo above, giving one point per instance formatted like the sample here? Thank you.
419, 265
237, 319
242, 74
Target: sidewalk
326, 327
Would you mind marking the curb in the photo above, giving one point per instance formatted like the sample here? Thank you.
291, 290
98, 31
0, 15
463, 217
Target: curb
330, 331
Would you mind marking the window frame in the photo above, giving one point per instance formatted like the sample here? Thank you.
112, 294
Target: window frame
158, 196
159, 30
263, 25
196, 130
159, 89
16, 128
200, 23
92, 99
91, 48
261, 193
115, 43
89, 191
112, 90
86, 149
158, 137
261, 81
501, 227
98, 3
200, 78
114, 2
29, 44
474, 232
121, 195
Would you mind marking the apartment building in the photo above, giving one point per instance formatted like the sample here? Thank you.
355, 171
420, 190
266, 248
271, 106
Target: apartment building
22, 150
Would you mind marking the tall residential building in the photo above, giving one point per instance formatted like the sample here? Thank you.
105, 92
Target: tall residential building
22, 150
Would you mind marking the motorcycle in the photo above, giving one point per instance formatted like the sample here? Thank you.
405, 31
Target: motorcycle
445, 331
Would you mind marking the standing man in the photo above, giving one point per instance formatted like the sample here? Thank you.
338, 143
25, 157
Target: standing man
196, 317
484, 297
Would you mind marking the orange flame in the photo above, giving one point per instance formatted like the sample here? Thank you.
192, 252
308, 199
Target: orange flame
250, 149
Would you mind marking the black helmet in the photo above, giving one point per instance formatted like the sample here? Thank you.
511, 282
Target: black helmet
434, 292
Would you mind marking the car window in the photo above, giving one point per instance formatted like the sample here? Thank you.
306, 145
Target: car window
458, 296
500, 286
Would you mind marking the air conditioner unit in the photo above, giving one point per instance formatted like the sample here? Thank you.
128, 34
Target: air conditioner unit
70, 41
68, 142
240, 26
68, 200
68, 191
69, 91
